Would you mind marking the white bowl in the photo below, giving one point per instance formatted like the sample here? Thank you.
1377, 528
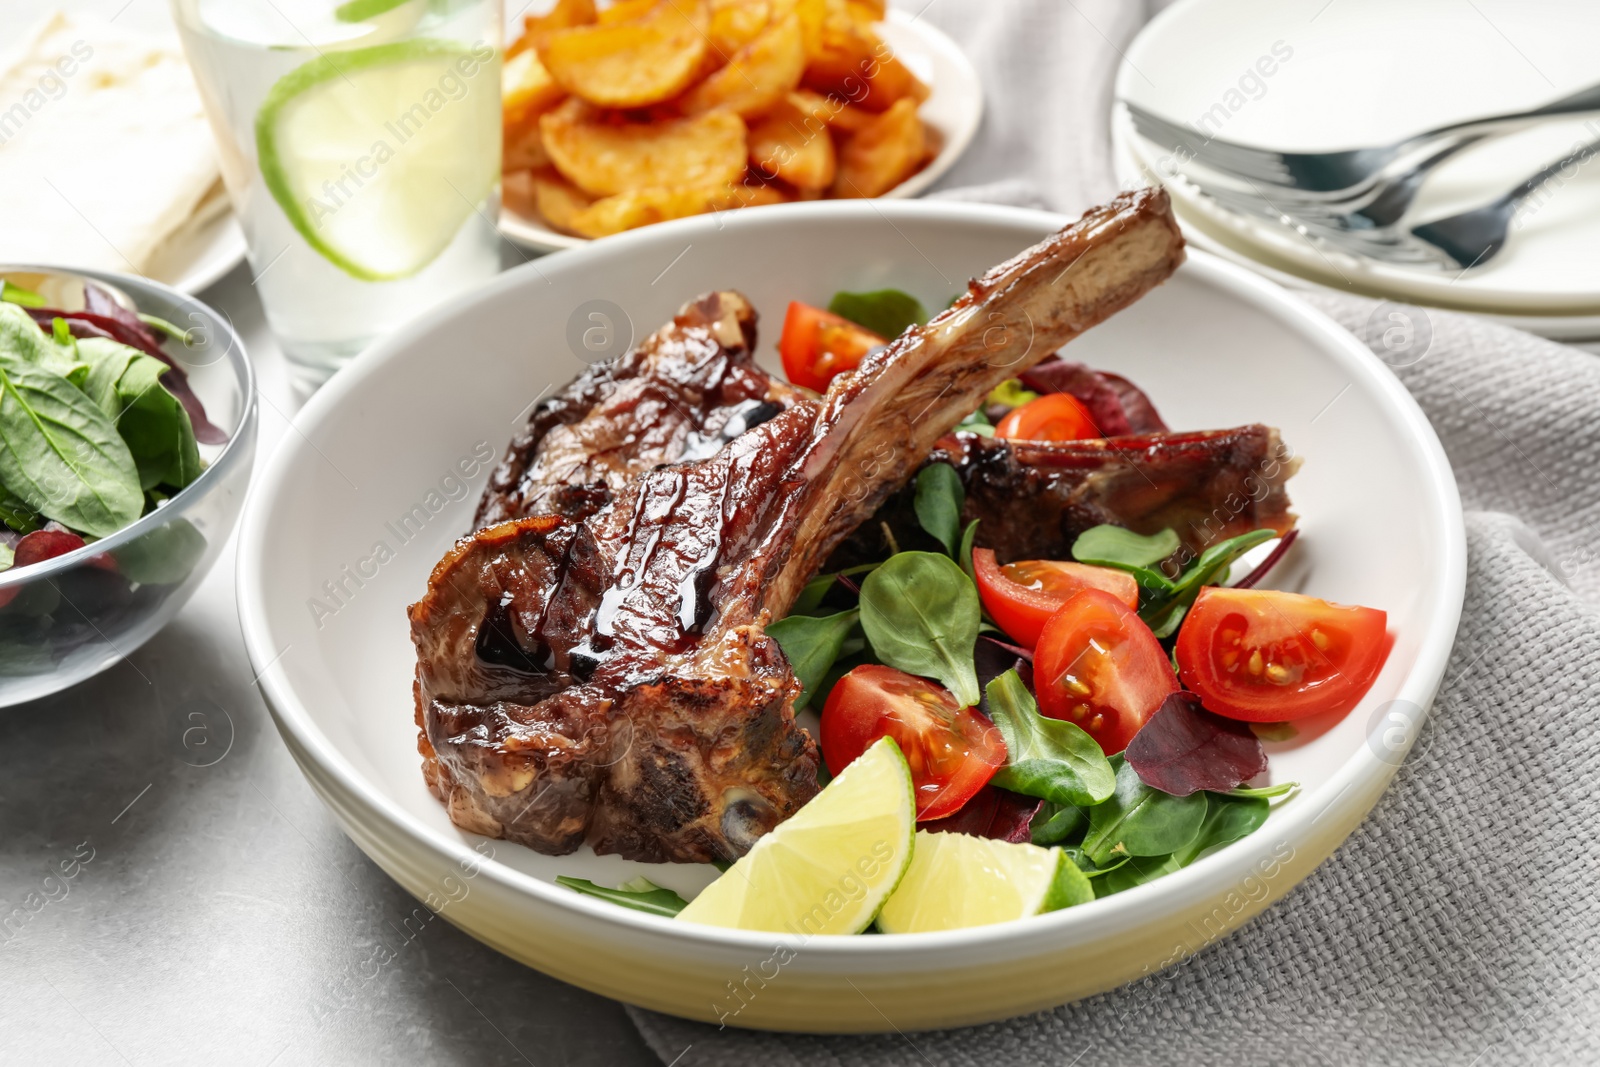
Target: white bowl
384, 472
953, 108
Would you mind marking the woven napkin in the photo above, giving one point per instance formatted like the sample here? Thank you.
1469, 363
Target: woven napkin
1460, 923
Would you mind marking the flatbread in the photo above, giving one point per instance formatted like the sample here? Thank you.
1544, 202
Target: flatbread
104, 148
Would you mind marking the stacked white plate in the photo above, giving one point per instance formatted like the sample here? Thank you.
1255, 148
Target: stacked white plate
1320, 75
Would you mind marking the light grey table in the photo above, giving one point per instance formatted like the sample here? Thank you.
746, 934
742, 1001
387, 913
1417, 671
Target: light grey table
215, 913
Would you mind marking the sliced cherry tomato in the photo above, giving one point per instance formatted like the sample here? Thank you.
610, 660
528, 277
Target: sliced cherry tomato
953, 751
1265, 656
1053, 417
818, 344
1022, 596
1099, 666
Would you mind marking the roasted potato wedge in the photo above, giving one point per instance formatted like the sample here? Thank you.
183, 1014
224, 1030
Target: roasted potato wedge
526, 90
603, 155
887, 151
757, 77
560, 202
565, 15
641, 207
831, 111
794, 146
625, 11
735, 23
853, 64
523, 148
633, 63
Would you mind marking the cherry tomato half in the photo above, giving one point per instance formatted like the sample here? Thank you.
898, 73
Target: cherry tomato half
1022, 596
1099, 666
953, 751
1265, 656
818, 344
1053, 417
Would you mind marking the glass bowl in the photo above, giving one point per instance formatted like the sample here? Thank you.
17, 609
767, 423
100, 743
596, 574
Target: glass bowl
71, 617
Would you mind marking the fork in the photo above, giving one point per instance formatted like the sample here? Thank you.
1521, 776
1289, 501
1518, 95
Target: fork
1341, 174
1457, 242
1476, 236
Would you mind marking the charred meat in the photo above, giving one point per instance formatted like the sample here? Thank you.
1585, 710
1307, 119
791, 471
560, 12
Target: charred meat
600, 672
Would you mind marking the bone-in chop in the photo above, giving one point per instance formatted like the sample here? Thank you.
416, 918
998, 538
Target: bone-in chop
600, 673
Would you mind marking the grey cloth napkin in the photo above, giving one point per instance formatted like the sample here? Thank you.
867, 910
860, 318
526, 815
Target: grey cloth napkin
1460, 923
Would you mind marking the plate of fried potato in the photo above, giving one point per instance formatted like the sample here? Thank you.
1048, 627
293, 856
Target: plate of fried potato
619, 116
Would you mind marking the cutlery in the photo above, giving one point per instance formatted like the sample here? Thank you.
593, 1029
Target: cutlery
1344, 173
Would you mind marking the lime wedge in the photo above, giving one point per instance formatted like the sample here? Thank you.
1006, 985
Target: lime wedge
378, 155
828, 869
955, 880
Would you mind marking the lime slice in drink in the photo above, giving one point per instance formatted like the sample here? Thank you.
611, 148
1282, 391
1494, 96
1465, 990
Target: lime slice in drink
828, 869
378, 155
955, 880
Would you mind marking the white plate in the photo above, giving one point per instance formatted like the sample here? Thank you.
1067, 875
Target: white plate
1367, 72
954, 108
1580, 330
390, 441
197, 259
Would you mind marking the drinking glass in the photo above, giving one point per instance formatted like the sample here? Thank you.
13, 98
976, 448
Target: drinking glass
360, 143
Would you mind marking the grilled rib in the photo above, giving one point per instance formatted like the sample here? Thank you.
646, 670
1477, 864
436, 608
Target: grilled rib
604, 675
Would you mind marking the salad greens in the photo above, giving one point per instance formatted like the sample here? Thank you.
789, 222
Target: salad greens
1141, 821
1123, 823
1163, 601
886, 312
920, 612
1047, 758
90, 437
640, 894
812, 643
938, 503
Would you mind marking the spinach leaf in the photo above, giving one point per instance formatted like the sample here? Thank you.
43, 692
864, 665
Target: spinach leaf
15, 513
1114, 546
640, 894
1087, 865
1136, 871
812, 643
60, 453
1047, 758
1227, 819
155, 426
964, 556
816, 590
1055, 824
16, 294
1141, 821
126, 384
1164, 614
1011, 393
886, 312
921, 614
26, 341
1071, 885
1282, 789
977, 423
164, 556
938, 504
810, 597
